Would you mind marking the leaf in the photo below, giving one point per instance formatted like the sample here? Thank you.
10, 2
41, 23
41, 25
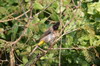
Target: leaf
90, 9
69, 40
51, 55
33, 26
55, 4
14, 31
58, 9
1, 30
54, 16
28, 49
66, 2
86, 0
24, 59
2, 35
87, 55
36, 19
43, 20
97, 7
80, 13
18, 52
27, 0
97, 19
93, 7
37, 6
3, 10
36, 37
89, 30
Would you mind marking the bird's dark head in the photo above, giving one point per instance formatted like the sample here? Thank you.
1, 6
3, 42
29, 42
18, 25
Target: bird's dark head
56, 26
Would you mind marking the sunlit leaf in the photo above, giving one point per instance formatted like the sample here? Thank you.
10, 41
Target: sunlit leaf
37, 6
25, 60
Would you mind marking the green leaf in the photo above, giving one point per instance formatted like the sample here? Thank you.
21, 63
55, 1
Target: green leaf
2, 35
66, 2
51, 55
14, 31
87, 55
86, 0
43, 20
25, 60
54, 16
91, 9
18, 52
28, 49
1, 30
89, 29
27, 0
97, 19
97, 7
37, 6
3, 10
58, 10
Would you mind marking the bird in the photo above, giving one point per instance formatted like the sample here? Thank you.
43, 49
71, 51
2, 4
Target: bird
49, 36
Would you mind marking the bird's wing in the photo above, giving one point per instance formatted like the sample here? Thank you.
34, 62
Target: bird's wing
46, 33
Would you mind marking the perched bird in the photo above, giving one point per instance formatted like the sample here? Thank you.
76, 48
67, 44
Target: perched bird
48, 37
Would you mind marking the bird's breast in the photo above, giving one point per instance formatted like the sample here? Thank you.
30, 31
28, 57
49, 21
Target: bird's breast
49, 38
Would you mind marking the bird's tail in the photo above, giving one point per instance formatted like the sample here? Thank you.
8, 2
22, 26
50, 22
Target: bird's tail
40, 43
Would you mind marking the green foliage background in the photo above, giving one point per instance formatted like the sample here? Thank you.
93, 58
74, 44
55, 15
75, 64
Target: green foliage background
83, 15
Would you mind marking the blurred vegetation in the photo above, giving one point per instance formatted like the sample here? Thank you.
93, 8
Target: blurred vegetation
80, 14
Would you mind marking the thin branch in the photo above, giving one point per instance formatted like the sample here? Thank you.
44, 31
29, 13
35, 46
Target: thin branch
74, 48
8, 15
73, 2
15, 17
33, 50
2, 61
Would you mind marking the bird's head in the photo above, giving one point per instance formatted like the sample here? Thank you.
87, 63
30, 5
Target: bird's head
56, 26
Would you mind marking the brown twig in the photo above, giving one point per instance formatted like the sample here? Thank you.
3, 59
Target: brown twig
9, 15
15, 17
74, 48
33, 50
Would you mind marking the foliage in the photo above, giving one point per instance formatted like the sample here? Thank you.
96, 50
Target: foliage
83, 15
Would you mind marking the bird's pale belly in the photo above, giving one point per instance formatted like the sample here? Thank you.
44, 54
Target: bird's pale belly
50, 38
